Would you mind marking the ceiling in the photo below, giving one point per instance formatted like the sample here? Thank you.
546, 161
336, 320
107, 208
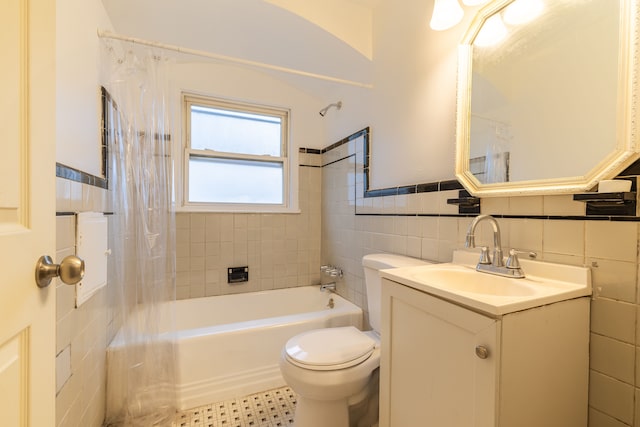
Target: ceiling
328, 40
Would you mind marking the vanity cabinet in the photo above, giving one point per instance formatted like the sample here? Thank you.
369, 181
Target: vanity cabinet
444, 365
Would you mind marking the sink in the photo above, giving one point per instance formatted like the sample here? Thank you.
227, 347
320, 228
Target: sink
467, 279
459, 282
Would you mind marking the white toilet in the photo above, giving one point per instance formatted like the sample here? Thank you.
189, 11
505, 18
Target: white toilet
335, 369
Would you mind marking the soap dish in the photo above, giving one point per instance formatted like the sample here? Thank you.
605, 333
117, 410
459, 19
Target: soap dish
614, 186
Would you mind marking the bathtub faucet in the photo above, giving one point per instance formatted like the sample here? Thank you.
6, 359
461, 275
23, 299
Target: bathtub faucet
331, 287
331, 271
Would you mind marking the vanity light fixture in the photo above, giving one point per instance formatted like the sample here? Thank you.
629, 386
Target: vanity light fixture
448, 13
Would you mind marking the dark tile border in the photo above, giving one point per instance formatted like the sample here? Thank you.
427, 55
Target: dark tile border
428, 187
310, 150
75, 213
455, 185
67, 172
541, 217
381, 192
338, 160
346, 140
571, 217
106, 102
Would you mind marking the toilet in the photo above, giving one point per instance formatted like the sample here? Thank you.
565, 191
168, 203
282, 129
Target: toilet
334, 370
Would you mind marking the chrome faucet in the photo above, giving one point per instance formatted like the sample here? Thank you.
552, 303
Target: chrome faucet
331, 271
497, 265
497, 245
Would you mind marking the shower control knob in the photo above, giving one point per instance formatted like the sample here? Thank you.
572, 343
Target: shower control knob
482, 352
70, 270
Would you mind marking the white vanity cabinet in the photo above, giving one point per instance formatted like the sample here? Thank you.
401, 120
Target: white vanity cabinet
443, 365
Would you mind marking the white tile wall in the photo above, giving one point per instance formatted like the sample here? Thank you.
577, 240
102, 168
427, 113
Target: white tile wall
609, 247
82, 334
285, 250
281, 250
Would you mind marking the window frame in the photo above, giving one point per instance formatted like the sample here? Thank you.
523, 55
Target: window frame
289, 204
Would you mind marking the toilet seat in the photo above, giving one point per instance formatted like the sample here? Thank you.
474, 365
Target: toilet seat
330, 348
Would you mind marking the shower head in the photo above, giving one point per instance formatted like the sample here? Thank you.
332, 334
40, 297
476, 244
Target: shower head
338, 106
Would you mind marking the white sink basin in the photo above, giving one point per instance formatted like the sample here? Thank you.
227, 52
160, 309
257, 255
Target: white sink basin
465, 279
459, 282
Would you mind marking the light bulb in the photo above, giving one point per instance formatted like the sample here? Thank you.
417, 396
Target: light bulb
446, 14
521, 11
492, 31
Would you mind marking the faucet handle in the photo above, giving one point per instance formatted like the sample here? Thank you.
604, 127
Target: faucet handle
335, 272
484, 256
530, 254
513, 261
331, 271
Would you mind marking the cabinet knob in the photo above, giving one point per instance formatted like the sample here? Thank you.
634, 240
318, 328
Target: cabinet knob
482, 352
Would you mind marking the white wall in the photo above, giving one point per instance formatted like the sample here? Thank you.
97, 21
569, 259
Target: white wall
411, 108
78, 87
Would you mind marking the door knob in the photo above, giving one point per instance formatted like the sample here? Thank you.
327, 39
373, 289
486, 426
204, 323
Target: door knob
482, 352
70, 270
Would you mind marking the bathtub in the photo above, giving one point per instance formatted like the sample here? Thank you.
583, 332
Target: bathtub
228, 346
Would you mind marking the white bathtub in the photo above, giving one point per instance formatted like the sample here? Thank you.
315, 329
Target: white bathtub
229, 346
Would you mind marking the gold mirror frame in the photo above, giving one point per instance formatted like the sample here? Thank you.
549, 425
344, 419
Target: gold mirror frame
627, 147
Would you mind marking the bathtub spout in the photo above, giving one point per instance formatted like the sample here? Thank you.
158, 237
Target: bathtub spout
331, 287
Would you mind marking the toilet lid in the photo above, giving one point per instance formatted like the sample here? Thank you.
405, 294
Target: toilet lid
327, 348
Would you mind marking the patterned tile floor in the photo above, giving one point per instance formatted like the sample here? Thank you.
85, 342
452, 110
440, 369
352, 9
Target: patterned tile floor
271, 408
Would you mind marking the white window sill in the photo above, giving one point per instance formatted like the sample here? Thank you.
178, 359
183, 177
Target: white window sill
262, 209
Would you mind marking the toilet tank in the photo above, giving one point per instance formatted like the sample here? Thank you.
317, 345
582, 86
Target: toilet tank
373, 263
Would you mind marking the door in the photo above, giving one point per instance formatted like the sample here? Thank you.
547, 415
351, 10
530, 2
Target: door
430, 372
27, 211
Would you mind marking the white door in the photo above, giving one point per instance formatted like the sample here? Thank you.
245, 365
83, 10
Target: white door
27, 211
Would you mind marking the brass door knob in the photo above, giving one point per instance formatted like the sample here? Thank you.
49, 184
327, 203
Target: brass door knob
70, 270
482, 352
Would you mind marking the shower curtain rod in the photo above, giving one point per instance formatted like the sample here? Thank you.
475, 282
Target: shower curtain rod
224, 58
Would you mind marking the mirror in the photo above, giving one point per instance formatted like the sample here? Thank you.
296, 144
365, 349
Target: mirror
546, 99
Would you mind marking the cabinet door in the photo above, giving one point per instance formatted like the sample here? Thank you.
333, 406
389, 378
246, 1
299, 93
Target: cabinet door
430, 374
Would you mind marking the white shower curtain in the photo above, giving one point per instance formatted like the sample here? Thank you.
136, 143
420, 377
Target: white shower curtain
141, 387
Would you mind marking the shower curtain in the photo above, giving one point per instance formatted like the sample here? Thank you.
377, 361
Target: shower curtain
141, 385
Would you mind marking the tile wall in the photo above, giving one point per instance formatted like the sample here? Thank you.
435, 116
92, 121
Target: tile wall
281, 250
422, 225
284, 251
82, 334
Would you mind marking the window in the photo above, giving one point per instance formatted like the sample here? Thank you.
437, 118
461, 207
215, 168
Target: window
236, 155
